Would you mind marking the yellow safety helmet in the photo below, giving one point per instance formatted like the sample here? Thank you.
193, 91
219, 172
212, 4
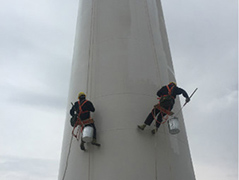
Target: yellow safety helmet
81, 94
174, 83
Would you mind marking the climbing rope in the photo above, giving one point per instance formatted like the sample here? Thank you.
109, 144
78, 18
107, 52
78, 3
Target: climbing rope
67, 159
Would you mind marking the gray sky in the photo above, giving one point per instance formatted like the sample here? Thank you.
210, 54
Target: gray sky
36, 49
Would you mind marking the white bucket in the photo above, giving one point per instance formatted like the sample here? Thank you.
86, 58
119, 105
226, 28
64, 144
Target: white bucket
87, 134
173, 125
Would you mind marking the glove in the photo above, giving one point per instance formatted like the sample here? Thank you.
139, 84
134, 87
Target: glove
187, 100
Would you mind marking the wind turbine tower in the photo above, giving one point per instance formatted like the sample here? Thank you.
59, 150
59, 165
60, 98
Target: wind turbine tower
121, 59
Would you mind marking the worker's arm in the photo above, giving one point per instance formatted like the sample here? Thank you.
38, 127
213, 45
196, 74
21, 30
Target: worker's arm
91, 107
162, 91
74, 109
88, 107
184, 93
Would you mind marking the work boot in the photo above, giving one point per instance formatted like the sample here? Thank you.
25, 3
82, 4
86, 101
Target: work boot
142, 126
95, 143
82, 146
154, 130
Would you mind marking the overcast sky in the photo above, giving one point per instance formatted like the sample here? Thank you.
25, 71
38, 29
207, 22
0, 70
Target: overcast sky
36, 48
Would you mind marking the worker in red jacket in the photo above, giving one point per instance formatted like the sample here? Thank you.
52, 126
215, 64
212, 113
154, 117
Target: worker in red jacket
82, 109
167, 95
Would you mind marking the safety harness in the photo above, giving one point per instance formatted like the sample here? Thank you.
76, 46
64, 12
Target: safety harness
79, 121
162, 109
170, 90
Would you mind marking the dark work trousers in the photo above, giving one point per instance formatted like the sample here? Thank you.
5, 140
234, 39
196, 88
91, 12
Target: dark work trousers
153, 115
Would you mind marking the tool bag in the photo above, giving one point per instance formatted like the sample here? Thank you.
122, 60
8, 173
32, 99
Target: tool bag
73, 120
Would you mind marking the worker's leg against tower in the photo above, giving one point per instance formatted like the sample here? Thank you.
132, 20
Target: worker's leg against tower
82, 145
94, 142
149, 118
158, 122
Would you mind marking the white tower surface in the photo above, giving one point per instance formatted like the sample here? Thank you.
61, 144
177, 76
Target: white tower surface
121, 59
